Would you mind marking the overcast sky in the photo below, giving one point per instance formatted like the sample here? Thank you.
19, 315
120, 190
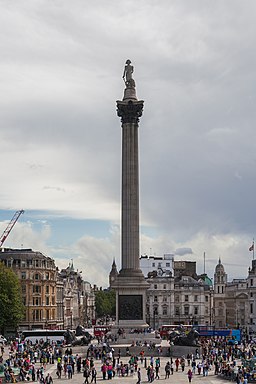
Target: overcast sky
60, 76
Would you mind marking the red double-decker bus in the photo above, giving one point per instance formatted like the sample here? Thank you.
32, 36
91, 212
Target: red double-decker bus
101, 330
165, 330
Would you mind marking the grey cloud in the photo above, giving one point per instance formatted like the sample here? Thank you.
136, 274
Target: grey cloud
183, 251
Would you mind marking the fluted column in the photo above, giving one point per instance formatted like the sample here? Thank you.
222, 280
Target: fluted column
130, 112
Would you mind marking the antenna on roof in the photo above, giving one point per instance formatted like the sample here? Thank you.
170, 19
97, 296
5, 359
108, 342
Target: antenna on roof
204, 263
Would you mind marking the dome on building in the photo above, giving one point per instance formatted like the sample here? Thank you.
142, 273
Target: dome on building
219, 268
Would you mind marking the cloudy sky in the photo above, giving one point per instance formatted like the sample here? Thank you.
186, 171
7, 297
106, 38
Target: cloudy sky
61, 74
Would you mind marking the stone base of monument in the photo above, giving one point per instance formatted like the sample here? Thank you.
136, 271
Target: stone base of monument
166, 350
131, 338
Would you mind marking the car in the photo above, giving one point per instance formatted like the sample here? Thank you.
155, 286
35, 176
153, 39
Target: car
2, 340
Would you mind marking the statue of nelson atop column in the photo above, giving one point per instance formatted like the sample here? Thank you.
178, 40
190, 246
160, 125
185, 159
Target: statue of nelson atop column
127, 76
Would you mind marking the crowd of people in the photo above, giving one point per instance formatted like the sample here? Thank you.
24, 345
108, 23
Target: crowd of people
27, 362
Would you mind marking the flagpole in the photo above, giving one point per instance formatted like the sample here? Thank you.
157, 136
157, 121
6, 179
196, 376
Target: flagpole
253, 249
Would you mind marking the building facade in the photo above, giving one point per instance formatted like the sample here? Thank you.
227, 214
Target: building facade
52, 299
38, 276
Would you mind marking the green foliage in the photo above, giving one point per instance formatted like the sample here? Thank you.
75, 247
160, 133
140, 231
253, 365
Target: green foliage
11, 306
105, 302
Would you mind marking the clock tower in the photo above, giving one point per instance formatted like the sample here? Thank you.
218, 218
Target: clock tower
113, 274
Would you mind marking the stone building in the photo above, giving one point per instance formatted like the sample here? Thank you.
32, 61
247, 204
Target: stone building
251, 288
87, 304
38, 276
178, 300
219, 297
53, 299
233, 302
79, 299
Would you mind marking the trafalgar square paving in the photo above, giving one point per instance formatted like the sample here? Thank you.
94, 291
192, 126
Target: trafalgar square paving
177, 377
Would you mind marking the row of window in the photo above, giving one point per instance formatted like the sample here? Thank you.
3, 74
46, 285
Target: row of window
159, 265
37, 314
186, 311
37, 301
29, 263
177, 298
38, 289
36, 276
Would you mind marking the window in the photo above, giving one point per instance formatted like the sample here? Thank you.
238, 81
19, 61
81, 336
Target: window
37, 314
186, 297
23, 289
153, 264
159, 265
155, 286
196, 310
196, 298
53, 300
47, 289
168, 265
218, 289
47, 276
23, 275
165, 299
164, 286
165, 311
37, 276
177, 311
36, 300
251, 294
251, 282
177, 299
220, 312
206, 299
251, 307
47, 314
23, 264
186, 310
222, 289
24, 300
36, 289
47, 300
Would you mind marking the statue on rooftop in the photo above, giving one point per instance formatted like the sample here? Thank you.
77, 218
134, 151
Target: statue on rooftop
127, 76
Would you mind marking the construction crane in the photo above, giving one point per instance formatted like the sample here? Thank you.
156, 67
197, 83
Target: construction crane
10, 226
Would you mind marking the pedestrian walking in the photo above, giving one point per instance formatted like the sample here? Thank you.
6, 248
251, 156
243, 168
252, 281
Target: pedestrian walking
167, 369
190, 375
139, 376
94, 374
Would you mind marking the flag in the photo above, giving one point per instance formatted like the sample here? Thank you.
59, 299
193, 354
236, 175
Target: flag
251, 247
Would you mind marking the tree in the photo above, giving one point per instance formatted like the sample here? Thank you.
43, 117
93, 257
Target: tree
105, 302
11, 306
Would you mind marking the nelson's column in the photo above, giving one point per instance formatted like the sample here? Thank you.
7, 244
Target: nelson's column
130, 284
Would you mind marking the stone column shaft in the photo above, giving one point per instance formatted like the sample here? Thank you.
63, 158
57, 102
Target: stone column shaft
130, 197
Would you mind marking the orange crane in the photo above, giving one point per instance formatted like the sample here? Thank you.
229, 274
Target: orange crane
10, 226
